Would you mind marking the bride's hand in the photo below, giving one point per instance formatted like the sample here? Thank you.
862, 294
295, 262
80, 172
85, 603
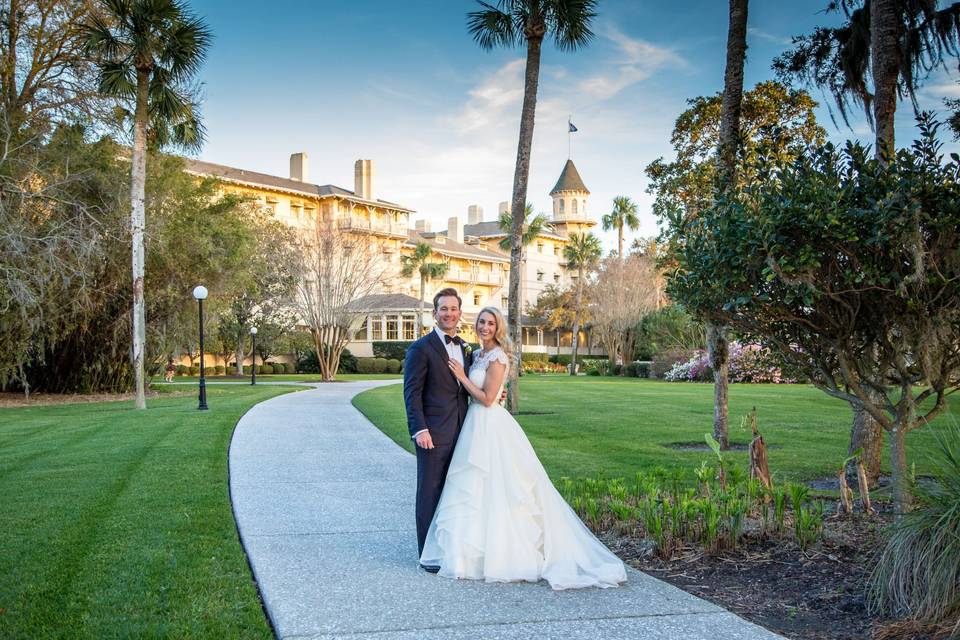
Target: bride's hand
457, 369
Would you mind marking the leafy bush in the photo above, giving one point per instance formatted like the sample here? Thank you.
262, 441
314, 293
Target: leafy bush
565, 358
747, 363
379, 365
664, 361
670, 328
193, 370
637, 369
265, 369
595, 367
220, 370
534, 357
310, 364
209, 371
918, 573
390, 350
181, 370
365, 365
393, 366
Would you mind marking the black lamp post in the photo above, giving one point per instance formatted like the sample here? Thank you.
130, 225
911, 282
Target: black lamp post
253, 357
200, 293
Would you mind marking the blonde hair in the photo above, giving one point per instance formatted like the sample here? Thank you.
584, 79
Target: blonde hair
500, 335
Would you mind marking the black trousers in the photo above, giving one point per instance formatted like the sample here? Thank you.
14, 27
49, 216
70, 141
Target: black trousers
432, 465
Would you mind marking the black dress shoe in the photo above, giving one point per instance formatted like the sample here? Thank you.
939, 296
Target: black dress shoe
429, 568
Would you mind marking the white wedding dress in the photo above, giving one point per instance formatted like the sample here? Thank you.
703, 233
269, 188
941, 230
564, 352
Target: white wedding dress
500, 519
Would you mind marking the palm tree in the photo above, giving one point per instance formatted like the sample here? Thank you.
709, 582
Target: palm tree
718, 345
581, 253
516, 23
624, 214
893, 42
148, 52
418, 262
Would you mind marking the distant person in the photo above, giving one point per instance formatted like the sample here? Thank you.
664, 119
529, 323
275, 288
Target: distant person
169, 371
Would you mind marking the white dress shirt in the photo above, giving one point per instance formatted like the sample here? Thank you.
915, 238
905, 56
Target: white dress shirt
455, 353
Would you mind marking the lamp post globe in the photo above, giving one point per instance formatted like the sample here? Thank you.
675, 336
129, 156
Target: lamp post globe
253, 356
200, 293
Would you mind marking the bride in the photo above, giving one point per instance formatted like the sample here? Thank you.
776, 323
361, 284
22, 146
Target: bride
499, 518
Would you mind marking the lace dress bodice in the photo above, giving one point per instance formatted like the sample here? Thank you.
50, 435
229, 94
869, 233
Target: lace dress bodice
482, 360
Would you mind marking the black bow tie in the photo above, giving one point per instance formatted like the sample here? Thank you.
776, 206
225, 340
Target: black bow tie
454, 339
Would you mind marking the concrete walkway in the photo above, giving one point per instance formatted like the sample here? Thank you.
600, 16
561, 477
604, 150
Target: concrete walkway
324, 504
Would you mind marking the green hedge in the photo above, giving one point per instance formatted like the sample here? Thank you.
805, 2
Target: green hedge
365, 365
181, 370
220, 370
394, 366
390, 350
534, 357
265, 369
564, 358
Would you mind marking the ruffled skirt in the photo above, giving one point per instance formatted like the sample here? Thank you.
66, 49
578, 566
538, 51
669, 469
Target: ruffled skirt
500, 519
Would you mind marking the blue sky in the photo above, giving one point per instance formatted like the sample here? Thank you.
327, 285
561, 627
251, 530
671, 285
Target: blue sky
404, 85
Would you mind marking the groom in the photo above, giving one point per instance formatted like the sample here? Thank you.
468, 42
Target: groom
436, 404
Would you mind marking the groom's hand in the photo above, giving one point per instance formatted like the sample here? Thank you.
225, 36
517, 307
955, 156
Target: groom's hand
424, 441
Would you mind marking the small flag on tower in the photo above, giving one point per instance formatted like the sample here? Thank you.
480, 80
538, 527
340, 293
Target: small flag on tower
572, 127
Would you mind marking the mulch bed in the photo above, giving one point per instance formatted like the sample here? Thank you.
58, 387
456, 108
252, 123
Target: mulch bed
10, 400
813, 595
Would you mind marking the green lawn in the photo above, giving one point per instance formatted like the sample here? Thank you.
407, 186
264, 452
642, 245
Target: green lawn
621, 425
117, 523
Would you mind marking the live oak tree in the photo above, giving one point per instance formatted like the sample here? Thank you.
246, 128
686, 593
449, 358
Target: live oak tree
512, 23
849, 268
148, 52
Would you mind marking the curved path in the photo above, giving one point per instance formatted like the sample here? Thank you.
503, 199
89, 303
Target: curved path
324, 504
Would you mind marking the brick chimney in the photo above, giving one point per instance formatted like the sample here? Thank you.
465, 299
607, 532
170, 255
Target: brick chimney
455, 230
299, 167
422, 226
474, 214
503, 207
363, 171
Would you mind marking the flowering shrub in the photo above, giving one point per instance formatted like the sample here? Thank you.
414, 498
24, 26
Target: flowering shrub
748, 363
543, 367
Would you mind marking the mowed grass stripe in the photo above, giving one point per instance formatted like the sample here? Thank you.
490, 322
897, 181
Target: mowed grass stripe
122, 527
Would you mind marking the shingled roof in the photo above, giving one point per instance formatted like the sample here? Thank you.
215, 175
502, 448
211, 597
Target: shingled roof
386, 302
570, 180
256, 179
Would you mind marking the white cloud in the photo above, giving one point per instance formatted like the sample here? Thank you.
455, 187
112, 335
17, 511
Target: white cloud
638, 60
764, 35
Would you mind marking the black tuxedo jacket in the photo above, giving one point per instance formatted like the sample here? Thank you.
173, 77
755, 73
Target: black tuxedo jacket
433, 397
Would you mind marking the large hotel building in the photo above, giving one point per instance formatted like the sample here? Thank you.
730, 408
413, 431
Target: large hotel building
476, 266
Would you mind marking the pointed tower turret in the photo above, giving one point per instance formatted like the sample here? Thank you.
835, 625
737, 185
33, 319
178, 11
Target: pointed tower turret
570, 202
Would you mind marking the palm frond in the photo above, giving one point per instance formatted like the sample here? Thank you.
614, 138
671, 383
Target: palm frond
117, 80
569, 21
491, 27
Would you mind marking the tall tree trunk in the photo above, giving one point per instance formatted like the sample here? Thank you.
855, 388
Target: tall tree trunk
423, 284
138, 177
717, 345
866, 434
576, 322
520, 177
732, 93
898, 464
620, 242
885, 68
239, 353
718, 350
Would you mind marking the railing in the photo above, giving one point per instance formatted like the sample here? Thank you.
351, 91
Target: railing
390, 228
476, 277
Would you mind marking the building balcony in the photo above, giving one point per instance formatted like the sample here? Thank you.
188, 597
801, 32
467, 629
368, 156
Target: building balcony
382, 228
474, 277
